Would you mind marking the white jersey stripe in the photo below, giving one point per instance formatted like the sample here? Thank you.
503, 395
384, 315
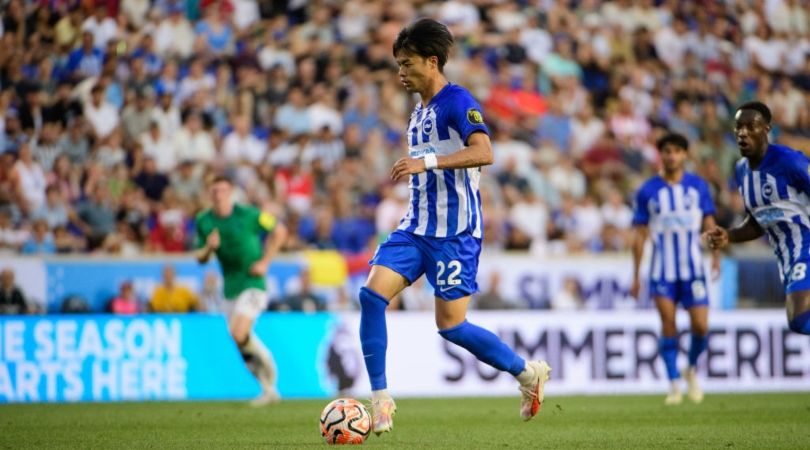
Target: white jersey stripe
757, 190
441, 204
683, 235
463, 207
669, 237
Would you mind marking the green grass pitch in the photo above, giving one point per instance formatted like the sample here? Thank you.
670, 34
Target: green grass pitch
765, 421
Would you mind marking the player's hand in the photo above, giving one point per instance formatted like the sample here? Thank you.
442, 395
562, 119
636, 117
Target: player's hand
716, 238
407, 166
635, 288
212, 241
259, 268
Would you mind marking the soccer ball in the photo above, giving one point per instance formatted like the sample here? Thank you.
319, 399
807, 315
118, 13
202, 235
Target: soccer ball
345, 421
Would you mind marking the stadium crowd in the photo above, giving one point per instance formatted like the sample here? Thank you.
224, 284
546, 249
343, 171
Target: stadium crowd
113, 114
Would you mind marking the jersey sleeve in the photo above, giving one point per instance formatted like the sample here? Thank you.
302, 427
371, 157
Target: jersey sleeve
264, 221
466, 116
706, 202
641, 215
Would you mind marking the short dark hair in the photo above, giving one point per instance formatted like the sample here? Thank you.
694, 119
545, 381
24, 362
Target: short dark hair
759, 107
675, 139
221, 179
425, 37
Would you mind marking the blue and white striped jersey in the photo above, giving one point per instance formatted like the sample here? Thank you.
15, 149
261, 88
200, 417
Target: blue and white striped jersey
674, 214
444, 202
776, 195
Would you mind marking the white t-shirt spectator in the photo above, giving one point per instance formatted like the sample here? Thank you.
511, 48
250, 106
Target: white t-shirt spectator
245, 13
584, 134
168, 120
33, 183
160, 149
767, 53
321, 115
103, 118
103, 31
197, 147
237, 148
174, 37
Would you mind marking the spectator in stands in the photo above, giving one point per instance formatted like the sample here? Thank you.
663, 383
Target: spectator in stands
304, 300
40, 240
86, 61
28, 181
491, 299
126, 302
95, 216
11, 237
12, 298
100, 113
151, 180
170, 297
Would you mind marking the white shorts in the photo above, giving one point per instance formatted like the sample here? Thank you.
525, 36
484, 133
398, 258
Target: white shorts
250, 303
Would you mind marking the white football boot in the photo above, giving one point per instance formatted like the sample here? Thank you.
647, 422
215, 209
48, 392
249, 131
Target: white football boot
531, 392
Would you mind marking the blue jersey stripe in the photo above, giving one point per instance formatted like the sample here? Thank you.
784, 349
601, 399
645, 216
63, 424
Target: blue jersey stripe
471, 206
414, 203
452, 201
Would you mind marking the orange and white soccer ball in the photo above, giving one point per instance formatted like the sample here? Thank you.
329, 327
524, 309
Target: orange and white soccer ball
345, 421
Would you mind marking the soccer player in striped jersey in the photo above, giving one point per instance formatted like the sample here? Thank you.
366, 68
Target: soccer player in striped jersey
671, 208
774, 182
440, 236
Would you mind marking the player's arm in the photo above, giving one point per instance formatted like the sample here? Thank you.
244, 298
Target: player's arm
272, 244
718, 237
640, 234
709, 224
207, 245
477, 153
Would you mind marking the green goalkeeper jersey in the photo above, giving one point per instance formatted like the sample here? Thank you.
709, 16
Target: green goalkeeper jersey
240, 244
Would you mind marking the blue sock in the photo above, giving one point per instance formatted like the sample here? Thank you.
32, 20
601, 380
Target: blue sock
373, 336
697, 346
801, 323
486, 346
668, 348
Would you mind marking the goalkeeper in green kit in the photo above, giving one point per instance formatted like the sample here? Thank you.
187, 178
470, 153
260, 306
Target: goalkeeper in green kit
234, 233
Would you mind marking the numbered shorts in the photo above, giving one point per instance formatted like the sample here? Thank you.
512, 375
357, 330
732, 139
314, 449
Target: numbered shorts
450, 264
687, 293
250, 303
797, 279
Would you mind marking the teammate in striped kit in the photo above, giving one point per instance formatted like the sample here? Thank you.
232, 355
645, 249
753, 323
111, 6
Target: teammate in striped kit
440, 236
672, 208
774, 182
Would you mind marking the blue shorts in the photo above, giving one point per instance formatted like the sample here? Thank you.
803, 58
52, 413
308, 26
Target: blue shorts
798, 278
450, 264
687, 293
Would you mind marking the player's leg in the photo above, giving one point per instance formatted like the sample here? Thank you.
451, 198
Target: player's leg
451, 268
258, 359
451, 319
798, 311
396, 264
699, 324
668, 345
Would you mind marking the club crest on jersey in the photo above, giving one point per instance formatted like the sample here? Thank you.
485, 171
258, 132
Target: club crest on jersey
474, 116
768, 190
427, 126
